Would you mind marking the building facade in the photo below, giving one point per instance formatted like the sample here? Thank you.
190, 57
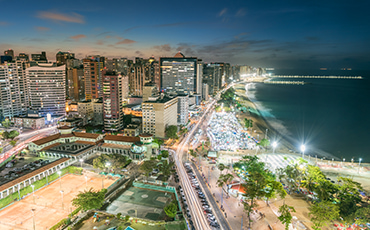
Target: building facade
182, 109
93, 78
47, 89
112, 100
158, 115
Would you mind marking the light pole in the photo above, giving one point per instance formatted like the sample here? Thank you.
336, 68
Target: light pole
61, 192
359, 165
266, 134
60, 179
274, 144
33, 193
344, 159
86, 180
303, 148
33, 217
81, 160
107, 165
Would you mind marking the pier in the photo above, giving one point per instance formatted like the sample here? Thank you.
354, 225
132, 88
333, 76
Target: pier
285, 82
331, 77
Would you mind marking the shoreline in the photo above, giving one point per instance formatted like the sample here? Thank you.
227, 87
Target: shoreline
260, 124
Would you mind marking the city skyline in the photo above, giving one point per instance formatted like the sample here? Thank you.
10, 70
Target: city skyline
269, 34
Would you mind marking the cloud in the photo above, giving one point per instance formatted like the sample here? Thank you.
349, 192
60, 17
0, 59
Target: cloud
41, 28
78, 37
223, 11
76, 18
138, 53
240, 35
164, 48
2, 23
107, 36
125, 41
100, 42
241, 12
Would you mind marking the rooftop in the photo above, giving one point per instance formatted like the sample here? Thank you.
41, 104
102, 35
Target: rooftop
122, 138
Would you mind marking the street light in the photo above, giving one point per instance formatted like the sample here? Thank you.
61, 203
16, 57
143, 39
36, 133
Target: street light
344, 159
359, 164
274, 144
33, 193
33, 217
81, 160
61, 192
60, 179
303, 148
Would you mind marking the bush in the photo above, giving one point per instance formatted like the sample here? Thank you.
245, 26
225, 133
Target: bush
127, 217
119, 215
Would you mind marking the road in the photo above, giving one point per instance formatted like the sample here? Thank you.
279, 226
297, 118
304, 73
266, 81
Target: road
24, 139
194, 205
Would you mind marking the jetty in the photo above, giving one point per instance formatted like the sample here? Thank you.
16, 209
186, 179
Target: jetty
331, 77
285, 82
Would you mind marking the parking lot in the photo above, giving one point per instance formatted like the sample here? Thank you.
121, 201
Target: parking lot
227, 134
21, 166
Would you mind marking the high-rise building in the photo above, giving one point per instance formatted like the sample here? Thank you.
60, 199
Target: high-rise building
179, 74
77, 91
182, 109
41, 58
158, 115
12, 91
112, 96
205, 92
125, 89
199, 77
47, 89
123, 65
212, 76
9, 52
137, 78
23, 56
93, 78
98, 109
62, 57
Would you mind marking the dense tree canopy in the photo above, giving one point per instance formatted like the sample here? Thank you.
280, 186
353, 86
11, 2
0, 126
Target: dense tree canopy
90, 199
171, 132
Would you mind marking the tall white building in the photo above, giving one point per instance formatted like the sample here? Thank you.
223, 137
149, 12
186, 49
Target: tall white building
182, 109
205, 92
47, 89
125, 89
158, 115
13, 90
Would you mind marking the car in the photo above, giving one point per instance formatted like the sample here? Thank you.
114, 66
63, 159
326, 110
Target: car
207, 211
7, 176
200, 192
124, 170
113, 228
210, 215
180, 187
205, 207
32, 168
36, 162
38, 165
188, 215
9, 165
214, 224
21, 158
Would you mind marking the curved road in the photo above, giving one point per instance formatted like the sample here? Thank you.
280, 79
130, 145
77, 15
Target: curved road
194, 205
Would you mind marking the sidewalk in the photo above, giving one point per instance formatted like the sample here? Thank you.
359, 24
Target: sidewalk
235, 210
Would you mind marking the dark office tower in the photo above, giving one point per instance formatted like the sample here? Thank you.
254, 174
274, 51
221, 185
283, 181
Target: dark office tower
235, 72
76, 84
179, 74
39, 57
62, 57
9, 52
23, 56
112, 96
137, 77
227, 73
212, 77
93, 78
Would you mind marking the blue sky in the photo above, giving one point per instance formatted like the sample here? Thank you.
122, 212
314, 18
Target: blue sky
280, 34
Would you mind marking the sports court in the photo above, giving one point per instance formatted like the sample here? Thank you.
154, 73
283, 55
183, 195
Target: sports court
141, 203
47, 205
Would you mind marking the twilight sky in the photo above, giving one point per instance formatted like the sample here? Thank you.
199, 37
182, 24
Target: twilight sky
268, 33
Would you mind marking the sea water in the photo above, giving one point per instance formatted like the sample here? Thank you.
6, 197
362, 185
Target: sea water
330, 116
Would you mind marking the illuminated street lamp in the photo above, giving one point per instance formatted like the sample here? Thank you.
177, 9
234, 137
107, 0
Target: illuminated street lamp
61, 192
81, 160
274, 144
33, 193
344, 159
359, 165
303, 148
60, 179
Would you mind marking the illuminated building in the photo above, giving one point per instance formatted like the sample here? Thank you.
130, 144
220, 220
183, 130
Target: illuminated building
112, 96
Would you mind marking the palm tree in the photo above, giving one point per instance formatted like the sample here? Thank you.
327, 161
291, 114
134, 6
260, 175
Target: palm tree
221, 167
166, 169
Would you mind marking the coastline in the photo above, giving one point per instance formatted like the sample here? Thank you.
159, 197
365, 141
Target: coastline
260, 124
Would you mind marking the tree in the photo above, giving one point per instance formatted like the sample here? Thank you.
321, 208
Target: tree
158, 141
171, 209
100, 162
224, 179
90, 199
148, 166
166, 169
126, 120
221, 167
13, 142
362, 216
285, 215
349, 196
6, 135
119, 215
171, 132
6, 123
164, 153
13, 134
264, 143
192, 153
322, 213
1, 149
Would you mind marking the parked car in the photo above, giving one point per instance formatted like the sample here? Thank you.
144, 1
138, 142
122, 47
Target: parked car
9, 165
21, 158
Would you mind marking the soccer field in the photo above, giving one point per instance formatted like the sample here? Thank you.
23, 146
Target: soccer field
48, 205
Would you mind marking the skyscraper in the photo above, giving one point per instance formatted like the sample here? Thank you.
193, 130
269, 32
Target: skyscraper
137, 77
93, 78
62, 57
12, 94
112, 96
47, 89
9, 52
179, 74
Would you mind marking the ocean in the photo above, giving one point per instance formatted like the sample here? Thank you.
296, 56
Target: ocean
330, 116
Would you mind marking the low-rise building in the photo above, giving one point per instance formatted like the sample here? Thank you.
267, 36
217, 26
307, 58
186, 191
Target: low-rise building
132, 130
29, 122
